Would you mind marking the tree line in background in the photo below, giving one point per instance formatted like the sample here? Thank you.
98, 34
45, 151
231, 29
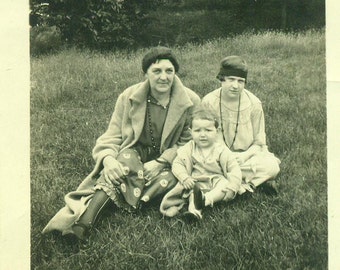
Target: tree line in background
115, 24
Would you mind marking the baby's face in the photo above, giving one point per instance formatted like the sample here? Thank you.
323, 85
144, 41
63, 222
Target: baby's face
204, 132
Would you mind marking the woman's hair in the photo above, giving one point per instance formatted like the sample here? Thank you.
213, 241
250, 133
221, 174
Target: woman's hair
204, 112
232, 66
158, 53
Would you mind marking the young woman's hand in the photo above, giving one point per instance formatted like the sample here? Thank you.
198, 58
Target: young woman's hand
113, 170
189, 183
152, 169
241, 158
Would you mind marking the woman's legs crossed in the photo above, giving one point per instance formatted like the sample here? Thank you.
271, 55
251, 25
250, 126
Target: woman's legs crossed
106, 193
260, 168
159, 185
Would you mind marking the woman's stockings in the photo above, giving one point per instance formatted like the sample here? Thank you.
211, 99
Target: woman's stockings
99, 201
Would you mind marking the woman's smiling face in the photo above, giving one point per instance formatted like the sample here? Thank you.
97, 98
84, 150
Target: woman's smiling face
161, 76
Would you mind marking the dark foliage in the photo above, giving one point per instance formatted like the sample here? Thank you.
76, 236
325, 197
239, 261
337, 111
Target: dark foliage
112, 24
96, 24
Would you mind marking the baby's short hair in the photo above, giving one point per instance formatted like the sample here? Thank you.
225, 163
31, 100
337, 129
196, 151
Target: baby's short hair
205, 112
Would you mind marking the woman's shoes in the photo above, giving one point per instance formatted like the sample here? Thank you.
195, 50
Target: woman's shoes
190, 217
270, 187
81, 231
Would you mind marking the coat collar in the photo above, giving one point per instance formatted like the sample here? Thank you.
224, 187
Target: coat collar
180, 102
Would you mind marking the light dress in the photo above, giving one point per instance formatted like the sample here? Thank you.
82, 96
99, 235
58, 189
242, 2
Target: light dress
263, 165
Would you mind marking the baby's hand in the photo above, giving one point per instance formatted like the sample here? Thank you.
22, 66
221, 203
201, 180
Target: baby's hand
189, 183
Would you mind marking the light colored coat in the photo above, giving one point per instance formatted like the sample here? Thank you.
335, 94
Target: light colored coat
127, 121
125, 127
221, 162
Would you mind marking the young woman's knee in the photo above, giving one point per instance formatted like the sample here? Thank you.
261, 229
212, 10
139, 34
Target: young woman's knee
274, 170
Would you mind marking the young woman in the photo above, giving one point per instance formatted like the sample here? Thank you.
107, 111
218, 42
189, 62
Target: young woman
243, 126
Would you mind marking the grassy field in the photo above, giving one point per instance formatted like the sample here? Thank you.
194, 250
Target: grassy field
72, 97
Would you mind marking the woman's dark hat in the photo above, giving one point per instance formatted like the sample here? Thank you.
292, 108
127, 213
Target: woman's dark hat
158, 53
233, 66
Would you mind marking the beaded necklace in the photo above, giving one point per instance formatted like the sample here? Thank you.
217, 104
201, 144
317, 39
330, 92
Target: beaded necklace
151, 132
237, 120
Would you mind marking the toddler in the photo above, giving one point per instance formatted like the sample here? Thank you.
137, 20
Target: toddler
206, 169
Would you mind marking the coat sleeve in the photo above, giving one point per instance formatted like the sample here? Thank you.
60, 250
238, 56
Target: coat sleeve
181, 166
231, 169
109, 143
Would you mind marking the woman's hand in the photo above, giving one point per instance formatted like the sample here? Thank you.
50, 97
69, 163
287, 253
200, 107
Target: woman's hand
113, 170
241, 157
152, 169
189, 183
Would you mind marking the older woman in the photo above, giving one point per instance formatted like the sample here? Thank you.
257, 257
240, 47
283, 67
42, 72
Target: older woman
150, 121
243, 126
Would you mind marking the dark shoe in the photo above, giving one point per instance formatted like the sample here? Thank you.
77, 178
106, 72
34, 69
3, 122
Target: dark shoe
141, 205
252, 187
81, 231
71, 239
189, 217
199, 199
270, 188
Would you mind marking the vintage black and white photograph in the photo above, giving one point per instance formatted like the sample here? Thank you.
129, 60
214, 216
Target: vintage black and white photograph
178, 134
